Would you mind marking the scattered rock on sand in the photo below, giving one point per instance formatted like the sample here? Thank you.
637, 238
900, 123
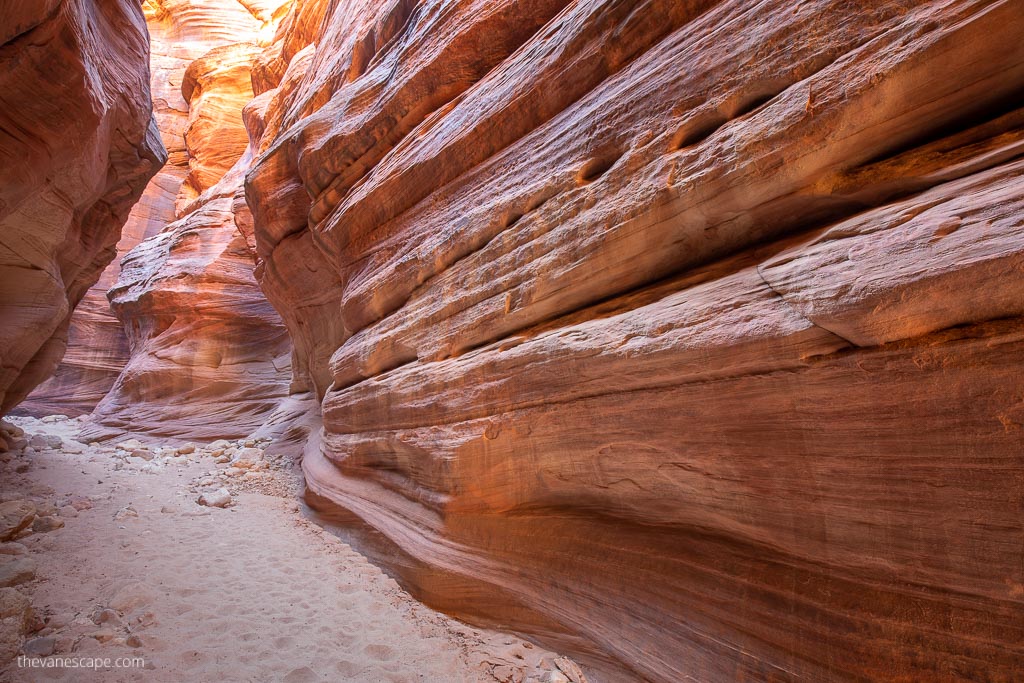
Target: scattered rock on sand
68, 511
571, 670
104, 635
16, 618
16, 569
41, 525
126, 512
142, 453
554, 677
187, 448
73, 447
216, 499
13, 549
39, 647
15, 515
41, 441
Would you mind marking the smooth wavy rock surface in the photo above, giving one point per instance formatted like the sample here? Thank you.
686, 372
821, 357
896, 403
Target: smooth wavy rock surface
684, 334
208, 356
78, 144
182, 33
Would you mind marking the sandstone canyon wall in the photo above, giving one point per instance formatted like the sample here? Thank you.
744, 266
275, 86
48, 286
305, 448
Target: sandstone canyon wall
208, 355
682, 334
77, 146
686, 334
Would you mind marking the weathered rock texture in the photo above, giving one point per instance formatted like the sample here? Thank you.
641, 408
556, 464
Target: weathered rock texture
77, 145
181, 33
208, 355
685, 333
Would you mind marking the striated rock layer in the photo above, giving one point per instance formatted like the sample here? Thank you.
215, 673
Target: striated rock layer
209, 357
78, 144
686, 334
181, 33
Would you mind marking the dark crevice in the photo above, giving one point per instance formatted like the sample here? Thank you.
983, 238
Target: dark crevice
977, 117
597, 167
697, 130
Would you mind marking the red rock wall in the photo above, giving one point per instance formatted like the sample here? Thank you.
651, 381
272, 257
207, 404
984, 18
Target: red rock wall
686, 334
77, 145
208, 356
181, 32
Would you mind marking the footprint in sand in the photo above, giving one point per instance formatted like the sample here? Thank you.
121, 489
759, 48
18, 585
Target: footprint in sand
380, 652
302, 675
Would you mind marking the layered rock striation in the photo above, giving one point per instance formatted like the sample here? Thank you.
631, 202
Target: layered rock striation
685, 334
209, 357
191, 41
78, 144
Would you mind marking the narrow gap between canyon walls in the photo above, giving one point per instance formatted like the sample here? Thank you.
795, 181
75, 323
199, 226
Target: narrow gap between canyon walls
530, 341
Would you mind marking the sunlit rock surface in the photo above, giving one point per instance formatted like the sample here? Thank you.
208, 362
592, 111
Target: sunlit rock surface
77, 145
684, 334
208, 356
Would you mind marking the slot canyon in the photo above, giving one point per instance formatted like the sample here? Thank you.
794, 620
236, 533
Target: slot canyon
530, 341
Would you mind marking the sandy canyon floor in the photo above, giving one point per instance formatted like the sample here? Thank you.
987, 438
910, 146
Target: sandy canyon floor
254, 591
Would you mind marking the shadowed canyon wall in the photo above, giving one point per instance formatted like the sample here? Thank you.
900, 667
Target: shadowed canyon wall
77, 145
684, 333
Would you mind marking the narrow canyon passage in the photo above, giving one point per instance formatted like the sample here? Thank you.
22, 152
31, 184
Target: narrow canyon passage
645, 340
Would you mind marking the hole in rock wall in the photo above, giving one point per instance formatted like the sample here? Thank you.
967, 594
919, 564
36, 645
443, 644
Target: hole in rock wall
597, 167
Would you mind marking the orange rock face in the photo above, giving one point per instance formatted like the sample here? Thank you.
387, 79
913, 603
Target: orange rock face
208, 355
194, 44
685, 334
77, 146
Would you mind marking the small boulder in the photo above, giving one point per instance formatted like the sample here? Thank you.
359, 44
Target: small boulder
73, 447
42, 525
126, 512
43, 441
68, 511
187, 448
216, 499
130, 445
104, 635
141, 453
45, 509
39, 647
15, 516
16, 619
16, 570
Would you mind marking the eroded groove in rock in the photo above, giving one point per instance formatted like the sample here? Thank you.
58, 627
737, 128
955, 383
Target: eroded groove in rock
74, 158
689, 328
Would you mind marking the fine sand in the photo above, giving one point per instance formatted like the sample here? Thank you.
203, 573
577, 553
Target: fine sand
252, 592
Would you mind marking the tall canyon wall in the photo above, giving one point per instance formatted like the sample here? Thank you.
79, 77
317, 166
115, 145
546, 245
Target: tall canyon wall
208, 356
77, 146
684, 333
